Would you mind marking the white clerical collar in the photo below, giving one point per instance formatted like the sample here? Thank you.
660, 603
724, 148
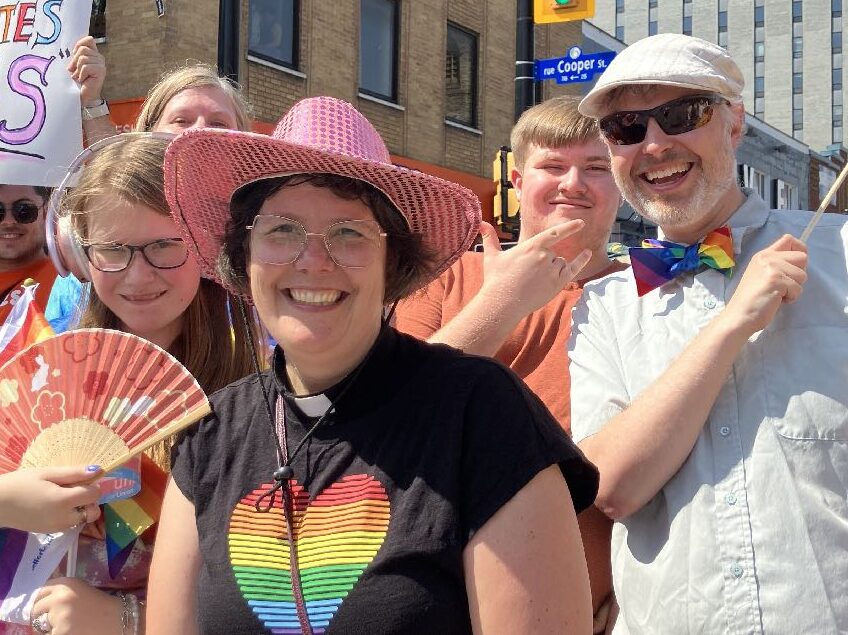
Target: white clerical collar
313, 405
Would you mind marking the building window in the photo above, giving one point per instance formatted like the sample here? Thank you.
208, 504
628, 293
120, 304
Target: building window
378, 48
619, 33
797, 47
97, 25
836, 78
836, 7
759, 87
797, 11
837, 134
784, 195
619, 20
759, 16
273, 31
652, 18
836, 42
797, 83
759, 107
797, 119
759, 51
461, 76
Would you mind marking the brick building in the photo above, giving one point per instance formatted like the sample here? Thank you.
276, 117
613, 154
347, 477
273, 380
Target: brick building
434, 76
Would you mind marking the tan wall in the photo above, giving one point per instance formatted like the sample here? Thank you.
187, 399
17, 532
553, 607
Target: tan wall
141, 47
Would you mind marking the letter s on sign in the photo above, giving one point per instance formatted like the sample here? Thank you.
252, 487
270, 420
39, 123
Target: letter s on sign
25, 134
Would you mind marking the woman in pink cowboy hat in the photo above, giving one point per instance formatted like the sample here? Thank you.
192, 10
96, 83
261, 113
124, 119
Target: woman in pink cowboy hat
368, 482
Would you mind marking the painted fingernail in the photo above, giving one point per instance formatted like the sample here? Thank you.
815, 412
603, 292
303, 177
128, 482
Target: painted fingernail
92, 468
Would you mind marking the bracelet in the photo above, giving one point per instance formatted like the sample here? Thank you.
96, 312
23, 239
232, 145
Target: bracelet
125, 612
93, 112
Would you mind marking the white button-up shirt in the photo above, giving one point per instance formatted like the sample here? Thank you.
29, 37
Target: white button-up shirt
751, 534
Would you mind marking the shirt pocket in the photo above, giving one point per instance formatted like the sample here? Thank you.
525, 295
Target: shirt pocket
806, 382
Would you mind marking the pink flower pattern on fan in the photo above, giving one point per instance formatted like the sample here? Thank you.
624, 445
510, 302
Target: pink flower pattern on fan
49, 409
15, 445
95, 384
28, 360
81, 348
141, 374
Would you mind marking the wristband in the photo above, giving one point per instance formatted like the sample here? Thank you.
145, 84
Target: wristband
93, 112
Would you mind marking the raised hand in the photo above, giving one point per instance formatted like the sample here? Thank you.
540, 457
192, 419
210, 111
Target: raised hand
88, 69
774, 276
525, 278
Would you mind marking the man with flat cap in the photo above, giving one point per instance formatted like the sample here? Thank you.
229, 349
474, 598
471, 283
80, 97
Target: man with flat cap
713, 393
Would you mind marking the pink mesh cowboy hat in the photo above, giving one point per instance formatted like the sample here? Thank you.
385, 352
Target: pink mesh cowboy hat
204, 168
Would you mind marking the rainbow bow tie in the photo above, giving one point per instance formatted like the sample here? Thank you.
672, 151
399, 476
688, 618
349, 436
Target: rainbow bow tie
658, 261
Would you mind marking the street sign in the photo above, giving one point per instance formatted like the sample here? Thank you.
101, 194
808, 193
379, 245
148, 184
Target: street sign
574, 67
549, 11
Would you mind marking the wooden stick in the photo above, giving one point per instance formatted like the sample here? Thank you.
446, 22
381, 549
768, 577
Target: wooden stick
186, 421
817, 216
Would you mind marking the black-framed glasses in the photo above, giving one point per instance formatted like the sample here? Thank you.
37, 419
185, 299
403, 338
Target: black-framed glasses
278, 240
165, 253
24, 212
673, 117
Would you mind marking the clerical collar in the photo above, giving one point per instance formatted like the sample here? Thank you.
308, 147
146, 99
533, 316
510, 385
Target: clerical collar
372, 378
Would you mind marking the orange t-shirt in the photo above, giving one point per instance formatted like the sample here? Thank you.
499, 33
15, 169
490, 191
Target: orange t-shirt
11, 285
536, 351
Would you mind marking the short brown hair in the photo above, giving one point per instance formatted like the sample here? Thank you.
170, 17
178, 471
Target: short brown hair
193, 76
408, 262
554, 123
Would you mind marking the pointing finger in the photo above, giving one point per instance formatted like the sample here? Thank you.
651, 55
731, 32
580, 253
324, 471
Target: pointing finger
555, 234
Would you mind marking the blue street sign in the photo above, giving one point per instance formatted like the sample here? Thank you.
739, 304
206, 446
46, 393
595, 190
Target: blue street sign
574, 67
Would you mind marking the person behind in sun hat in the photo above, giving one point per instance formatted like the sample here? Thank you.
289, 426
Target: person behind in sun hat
368, 482
714, 394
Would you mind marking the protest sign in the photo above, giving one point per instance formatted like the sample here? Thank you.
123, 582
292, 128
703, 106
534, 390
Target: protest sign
40, 124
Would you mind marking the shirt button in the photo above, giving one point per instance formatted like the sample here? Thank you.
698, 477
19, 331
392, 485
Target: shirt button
736, 571
724, 431
730, 499
710, 302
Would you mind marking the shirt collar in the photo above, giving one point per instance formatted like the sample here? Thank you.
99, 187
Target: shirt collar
751, 215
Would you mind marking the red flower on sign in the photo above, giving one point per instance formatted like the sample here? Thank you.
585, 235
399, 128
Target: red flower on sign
82, 345
49, 408
95, 384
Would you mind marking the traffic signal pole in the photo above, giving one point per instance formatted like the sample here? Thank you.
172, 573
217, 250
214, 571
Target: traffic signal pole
228, 38
524, 55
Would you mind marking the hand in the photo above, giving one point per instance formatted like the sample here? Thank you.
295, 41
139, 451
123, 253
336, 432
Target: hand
528, 276
604, 619
47, 499
74, 607
88, 69
774, 276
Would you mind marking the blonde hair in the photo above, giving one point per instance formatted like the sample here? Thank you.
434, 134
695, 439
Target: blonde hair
131, 170
554, 123
193, 76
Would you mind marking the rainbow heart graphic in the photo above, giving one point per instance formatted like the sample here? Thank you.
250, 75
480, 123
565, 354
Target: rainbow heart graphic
337, 535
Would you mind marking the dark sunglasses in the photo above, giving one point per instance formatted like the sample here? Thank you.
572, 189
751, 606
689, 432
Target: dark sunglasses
673, 117
23, 212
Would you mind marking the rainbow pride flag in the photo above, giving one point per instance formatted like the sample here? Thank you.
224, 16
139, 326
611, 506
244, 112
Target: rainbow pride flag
125, 520
25, 325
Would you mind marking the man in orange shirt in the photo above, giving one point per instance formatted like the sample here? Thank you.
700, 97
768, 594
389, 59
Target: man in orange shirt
515, 305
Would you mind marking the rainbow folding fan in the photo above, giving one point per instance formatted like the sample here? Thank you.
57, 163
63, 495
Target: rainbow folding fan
92, 397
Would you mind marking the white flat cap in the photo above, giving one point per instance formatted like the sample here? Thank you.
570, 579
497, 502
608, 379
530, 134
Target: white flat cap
668, 59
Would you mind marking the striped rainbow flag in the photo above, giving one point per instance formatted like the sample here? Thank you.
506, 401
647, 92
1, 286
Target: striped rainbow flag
25, 325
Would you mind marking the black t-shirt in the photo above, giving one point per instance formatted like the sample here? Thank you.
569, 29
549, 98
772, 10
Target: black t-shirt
422, 449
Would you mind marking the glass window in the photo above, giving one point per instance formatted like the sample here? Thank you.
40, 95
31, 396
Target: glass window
759, 105
652, 3
619, 6
836, 5
797, 118
461, 76
797, 83
836, 60
797, 29
378, 35
797, 46
836, 24
759, 51
798, 135
836, 97
759, 16
652, 28
272, 30
619, 33
687, 25
722, 20
652, 14
836, 113
722, 5
837, 134
760, 69
836, 42
722, 38
797, 101
97, 25
759, 3
797, 65
796, 11
759, 34
759, 87
687, 9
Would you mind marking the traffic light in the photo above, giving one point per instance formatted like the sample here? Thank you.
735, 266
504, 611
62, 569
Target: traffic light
547, 11
506, 202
